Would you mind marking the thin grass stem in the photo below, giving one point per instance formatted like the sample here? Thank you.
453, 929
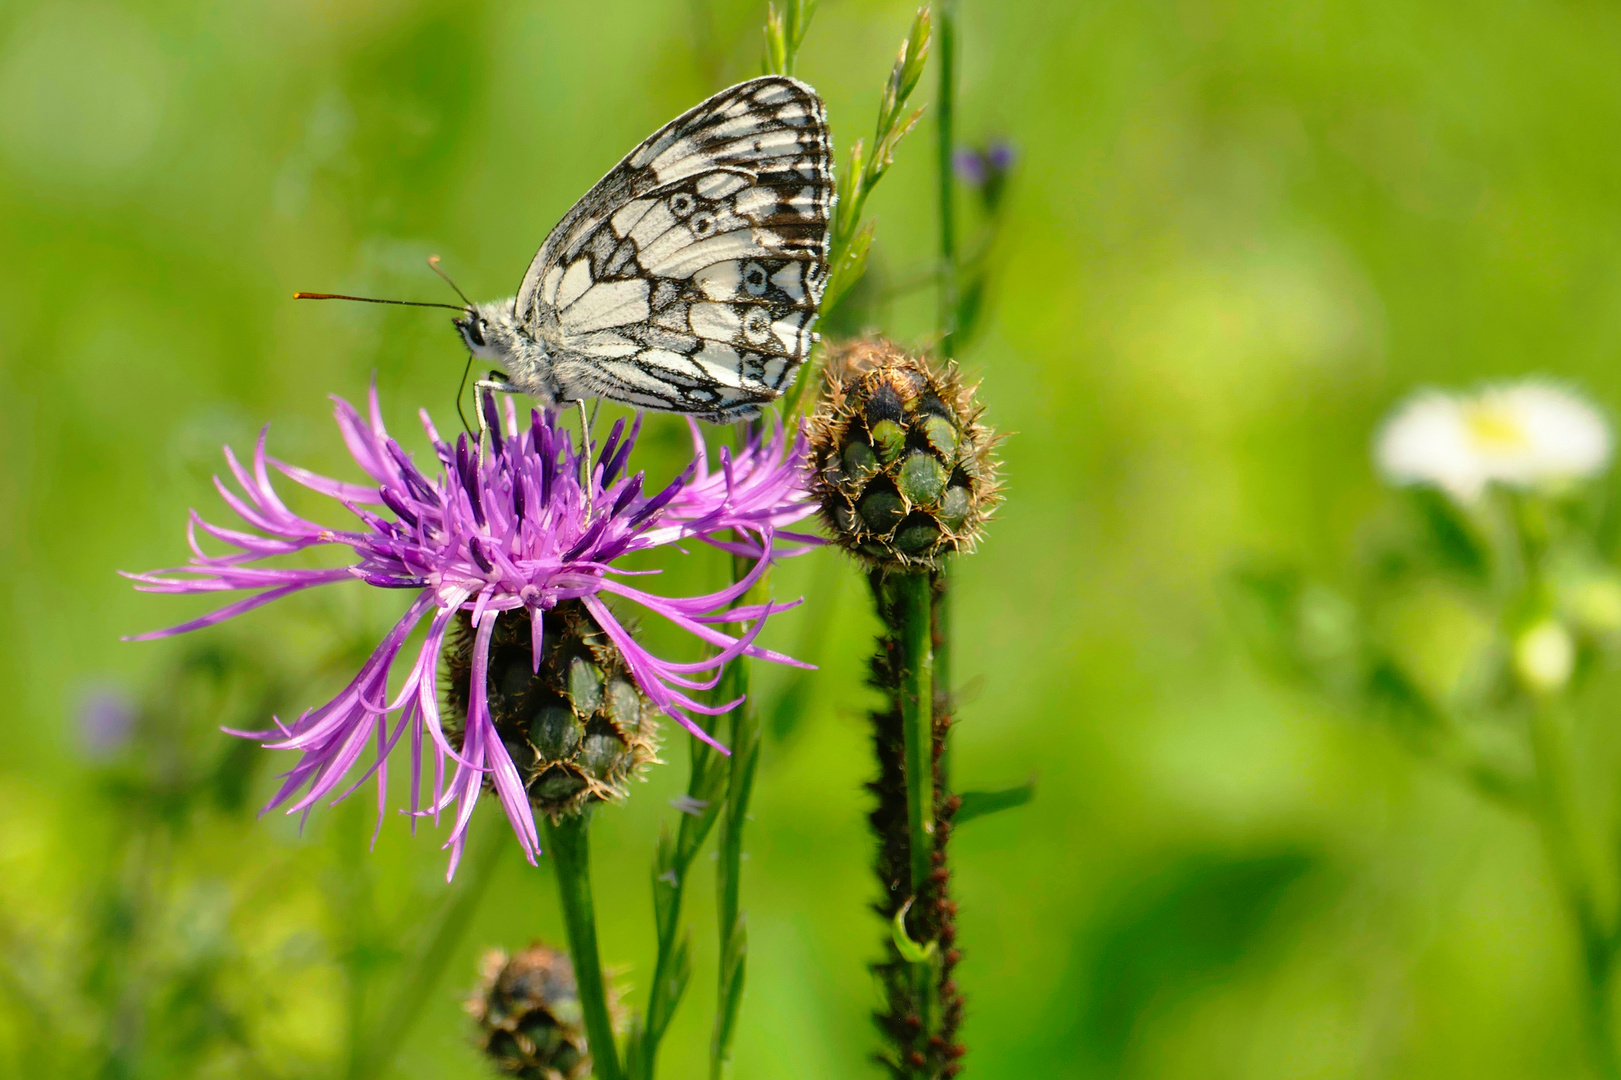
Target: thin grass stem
743, 736
945, 29
671, 971
1557, 819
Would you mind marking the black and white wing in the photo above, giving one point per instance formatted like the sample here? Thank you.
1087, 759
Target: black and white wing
688, 278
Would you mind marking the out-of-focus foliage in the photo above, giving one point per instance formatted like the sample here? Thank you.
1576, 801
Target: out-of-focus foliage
1237, 232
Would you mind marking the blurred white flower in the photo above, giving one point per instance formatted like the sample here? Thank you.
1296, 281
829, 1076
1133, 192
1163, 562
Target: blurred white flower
1525, 434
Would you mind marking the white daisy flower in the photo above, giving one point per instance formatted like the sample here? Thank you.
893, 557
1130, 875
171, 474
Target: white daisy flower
1525, 434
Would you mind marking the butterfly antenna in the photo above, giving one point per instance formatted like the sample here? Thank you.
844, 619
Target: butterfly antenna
461, 390
433, 264
371, 300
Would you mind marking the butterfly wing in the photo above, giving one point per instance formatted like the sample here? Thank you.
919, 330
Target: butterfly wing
688, 278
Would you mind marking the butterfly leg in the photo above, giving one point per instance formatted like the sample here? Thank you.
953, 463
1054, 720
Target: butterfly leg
585, 445
487, 389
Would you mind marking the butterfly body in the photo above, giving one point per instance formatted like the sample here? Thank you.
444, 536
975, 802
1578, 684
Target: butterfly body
688, 279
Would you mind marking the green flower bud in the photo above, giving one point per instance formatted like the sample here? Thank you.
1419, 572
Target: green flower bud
904, 469
527, 1008
579, 729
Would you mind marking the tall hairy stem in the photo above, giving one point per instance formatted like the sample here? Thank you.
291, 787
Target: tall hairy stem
922, 1009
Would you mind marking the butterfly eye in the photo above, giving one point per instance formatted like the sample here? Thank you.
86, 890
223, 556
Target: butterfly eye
472, 329
681, 204
754, 279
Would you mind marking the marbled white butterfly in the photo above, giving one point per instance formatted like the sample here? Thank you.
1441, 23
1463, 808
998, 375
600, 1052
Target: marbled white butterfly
687, 280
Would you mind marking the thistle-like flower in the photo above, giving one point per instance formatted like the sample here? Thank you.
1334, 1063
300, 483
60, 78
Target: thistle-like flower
1529, 434
504, 530
904, 469
527, 1008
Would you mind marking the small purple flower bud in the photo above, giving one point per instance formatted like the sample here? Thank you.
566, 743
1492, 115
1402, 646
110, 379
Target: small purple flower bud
1000, 155
969, 165
107, 717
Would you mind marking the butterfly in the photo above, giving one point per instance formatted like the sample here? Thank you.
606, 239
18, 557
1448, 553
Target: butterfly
688, 279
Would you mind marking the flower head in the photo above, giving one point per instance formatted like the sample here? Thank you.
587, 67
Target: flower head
1526, 434
507, 529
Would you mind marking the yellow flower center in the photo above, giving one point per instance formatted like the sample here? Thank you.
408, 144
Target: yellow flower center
1494, 427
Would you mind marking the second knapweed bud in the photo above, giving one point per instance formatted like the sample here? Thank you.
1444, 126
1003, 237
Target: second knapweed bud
528, 1012
578, 729
904, 469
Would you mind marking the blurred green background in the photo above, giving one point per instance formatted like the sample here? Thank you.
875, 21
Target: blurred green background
1237, 233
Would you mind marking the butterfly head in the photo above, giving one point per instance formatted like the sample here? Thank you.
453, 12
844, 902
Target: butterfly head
493, 335
489, 331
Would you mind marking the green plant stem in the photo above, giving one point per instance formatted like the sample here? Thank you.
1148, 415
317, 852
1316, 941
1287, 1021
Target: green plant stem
743, 737
945, 21
913, 593
450, 923
945, 704
673, 967
1557, 818
912, 596
569, 841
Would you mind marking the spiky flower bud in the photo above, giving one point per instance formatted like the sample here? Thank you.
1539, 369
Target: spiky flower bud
528, 1013
904, 469
578, 729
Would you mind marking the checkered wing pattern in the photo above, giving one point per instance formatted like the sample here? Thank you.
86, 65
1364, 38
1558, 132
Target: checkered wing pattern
688, 278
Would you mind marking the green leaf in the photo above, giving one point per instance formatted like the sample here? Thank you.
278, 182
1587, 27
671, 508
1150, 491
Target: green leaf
734, 953
911, 951
665, 998
977, 804
849, 268
776, 42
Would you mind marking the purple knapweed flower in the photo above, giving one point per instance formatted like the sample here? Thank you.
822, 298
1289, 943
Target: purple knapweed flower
493, 529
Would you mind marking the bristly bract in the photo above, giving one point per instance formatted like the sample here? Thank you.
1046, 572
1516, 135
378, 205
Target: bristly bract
688, 279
